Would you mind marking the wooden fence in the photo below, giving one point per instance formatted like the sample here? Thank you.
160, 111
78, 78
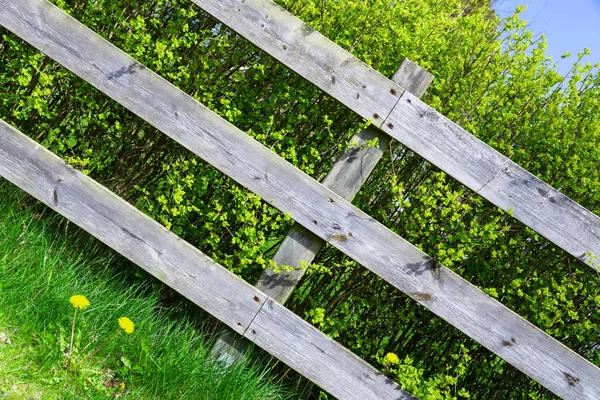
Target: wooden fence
327, 215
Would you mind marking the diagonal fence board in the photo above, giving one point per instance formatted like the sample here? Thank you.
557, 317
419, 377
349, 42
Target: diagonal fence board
193, 274
496, 178
318, 209
298, 343
310, 54
413, 123
120, 226
347, 175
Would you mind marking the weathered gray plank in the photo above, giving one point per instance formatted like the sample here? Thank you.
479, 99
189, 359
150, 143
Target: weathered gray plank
297, 251
545, 209
187, 270
417, 126
496, 178
302, 346
413, 78
345, 178
119, 225
310, 204
310, 54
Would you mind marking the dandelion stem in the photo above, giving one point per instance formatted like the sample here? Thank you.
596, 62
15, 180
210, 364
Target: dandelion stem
70, 353
101, 346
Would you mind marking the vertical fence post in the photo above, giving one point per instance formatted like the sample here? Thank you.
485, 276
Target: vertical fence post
346, 177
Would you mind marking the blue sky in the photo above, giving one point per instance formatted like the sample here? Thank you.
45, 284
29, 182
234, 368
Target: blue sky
569, 25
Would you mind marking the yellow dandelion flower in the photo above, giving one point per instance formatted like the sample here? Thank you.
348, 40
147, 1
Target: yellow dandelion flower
126, 324
391, 358
79, 301
122, 385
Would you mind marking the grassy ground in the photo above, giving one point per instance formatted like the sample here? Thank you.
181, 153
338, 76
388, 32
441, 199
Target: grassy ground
42, 264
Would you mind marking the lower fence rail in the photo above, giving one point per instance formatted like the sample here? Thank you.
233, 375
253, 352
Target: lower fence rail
245, 309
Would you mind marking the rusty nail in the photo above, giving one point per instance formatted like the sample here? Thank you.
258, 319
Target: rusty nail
375, 116
390, 125
256, 299
393, 91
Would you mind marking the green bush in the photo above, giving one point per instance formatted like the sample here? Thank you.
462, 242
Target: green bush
493, 77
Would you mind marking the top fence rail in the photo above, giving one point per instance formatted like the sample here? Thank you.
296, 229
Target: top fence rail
410, 121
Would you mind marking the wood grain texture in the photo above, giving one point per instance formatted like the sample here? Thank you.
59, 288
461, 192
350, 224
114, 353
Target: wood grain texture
310, 54
305, 347
297, 251
413, 78
496, 178
345, 178
315, 207
187, 270
435, 138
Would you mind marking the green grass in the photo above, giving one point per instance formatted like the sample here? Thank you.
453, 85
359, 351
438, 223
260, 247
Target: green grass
42, 263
